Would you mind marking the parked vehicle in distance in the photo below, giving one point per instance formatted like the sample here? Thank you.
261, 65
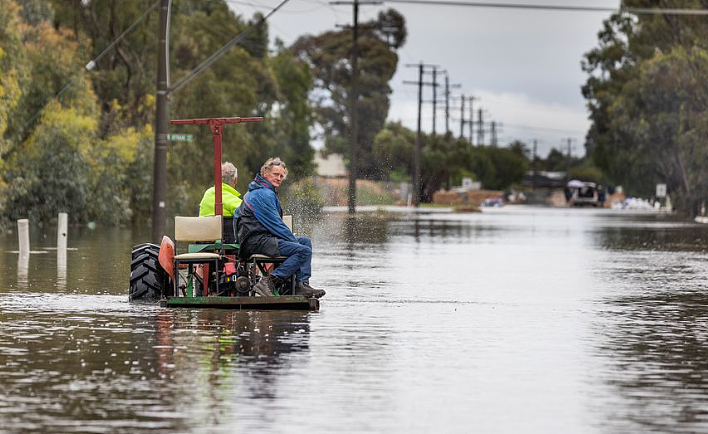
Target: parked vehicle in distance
579, 193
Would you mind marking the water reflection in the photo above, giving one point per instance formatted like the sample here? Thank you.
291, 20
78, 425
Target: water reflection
23, 271
61, 269
671, 236
519, 320
655, 361
365, 229
88, 363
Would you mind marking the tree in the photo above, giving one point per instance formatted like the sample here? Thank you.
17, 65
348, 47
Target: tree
100, 121
520, 148
294, 80
556, 161
445, 160
329, 57
12, 66
508, 167
52, 175
647, 95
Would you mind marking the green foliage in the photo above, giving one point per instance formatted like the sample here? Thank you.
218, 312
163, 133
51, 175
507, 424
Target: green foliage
588, 173
445, 161
556, 161
294, 80
508, 167
393, 149
329, 55
12, 65
646, 91
520, 148
52, 176
45, 89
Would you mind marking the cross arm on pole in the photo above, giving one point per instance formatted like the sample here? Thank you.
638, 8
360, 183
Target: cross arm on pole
208, 121
217, 126
358, 2
427, 83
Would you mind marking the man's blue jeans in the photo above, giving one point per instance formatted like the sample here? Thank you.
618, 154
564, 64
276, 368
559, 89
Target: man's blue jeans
299, 260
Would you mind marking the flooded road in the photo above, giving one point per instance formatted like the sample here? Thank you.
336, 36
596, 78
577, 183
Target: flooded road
516, 320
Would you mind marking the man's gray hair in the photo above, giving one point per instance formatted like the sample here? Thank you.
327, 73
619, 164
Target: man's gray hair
273, 162
229, 173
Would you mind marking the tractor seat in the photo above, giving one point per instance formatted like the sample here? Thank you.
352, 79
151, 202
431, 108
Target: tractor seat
258, 256
192, 256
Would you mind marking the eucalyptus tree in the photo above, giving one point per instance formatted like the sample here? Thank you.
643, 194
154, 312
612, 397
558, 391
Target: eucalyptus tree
647, 91
329, 57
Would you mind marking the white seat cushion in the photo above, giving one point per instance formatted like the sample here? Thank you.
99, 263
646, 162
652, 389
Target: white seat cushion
259, 256
198, 228
197, 256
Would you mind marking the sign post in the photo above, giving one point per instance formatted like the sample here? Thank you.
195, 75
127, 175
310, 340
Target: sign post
661, 191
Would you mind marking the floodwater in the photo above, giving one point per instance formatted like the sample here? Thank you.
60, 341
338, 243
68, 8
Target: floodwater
515, 320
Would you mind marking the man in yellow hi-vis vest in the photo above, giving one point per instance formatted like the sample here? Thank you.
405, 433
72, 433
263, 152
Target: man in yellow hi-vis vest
229, 196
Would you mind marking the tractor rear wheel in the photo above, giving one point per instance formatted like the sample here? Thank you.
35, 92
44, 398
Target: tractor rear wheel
140, 248
147, 278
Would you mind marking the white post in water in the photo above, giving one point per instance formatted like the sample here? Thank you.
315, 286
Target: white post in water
62, 223
62, 235
23, 234
23, 257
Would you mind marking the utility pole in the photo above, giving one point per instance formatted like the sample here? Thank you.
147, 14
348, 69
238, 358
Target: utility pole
493, 134
447, 103
448, 86
354, 101
471, 121
415, 182
480, 128
533, 165
354, 109
160, 164
569, 141
435, 95
462, 118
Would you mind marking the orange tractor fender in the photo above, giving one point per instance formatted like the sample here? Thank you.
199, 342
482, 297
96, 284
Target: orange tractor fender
167, 255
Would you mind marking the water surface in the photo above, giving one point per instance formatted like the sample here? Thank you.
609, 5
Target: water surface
514, 320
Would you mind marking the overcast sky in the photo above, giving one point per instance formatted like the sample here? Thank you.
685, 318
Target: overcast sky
523, 65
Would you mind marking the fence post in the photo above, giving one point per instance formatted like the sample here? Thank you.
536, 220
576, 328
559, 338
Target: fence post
23, 235
62, 224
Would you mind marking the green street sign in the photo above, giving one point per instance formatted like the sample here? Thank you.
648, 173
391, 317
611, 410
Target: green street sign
180, 137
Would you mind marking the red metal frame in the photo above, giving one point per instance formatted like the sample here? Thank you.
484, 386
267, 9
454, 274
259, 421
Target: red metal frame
217, 127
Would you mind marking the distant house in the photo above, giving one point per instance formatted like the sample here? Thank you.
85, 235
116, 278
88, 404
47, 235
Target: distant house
332, 166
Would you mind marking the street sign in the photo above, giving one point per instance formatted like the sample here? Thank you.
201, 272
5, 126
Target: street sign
660, 190
180, 137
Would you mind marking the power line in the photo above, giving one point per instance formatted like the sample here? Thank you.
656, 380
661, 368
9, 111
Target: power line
507, 5
555, 130
635, 11
223, 50
88, 67
267, 8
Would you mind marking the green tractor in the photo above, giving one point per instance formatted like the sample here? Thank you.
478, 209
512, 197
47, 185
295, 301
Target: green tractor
210, 273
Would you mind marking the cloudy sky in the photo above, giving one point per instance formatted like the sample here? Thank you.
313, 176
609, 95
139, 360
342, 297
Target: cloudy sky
522, 65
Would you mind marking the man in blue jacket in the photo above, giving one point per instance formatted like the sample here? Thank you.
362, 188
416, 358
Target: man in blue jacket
261, 230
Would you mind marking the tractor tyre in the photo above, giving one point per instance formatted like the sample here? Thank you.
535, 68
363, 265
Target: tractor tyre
147, 278
141, 248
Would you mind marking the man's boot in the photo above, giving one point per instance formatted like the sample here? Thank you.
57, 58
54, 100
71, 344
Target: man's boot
304, 288
266, 286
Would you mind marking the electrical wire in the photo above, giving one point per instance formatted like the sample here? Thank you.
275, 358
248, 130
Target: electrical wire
221, 51
88, 67
267, 8
635, 11
506, 5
